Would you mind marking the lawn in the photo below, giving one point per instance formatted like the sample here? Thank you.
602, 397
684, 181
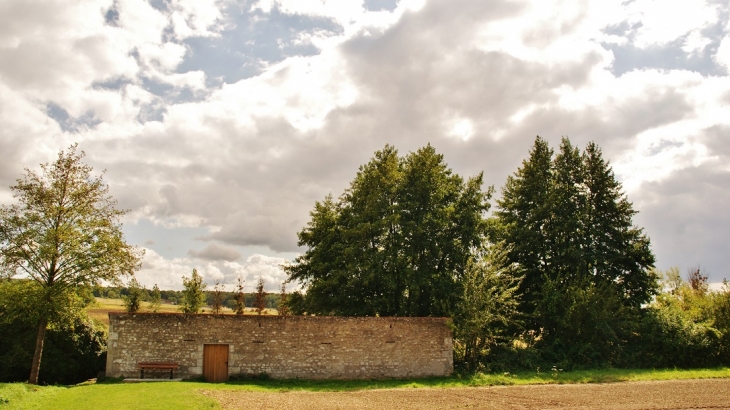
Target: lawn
190, 395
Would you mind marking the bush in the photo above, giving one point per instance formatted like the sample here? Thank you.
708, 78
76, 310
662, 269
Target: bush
70, 355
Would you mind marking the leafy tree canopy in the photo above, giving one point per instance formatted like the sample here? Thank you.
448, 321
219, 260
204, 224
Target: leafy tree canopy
63, 232
395, 243
193, 296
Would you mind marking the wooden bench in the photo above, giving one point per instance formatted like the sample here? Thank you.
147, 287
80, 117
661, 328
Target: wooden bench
142, 366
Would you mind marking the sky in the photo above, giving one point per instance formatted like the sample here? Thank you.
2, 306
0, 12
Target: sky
221, 123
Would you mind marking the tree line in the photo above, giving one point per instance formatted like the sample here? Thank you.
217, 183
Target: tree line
556, 274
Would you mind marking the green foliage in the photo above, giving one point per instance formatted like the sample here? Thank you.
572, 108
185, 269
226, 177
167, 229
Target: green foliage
217, 294
74, 350
283, 307
240, 298
64, 233
488, 307
586, 267
395, 243
133, 300
687, 325
193, 297
296, 303
260, 303
155, 299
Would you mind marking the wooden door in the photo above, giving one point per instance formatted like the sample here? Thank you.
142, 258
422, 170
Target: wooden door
215, 363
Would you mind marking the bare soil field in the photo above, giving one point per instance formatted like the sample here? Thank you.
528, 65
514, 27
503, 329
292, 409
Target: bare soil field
674, 394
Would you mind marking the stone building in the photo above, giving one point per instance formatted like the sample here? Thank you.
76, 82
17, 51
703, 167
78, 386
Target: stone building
322, 347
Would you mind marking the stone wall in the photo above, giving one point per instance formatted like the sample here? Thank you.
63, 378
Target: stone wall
283, 346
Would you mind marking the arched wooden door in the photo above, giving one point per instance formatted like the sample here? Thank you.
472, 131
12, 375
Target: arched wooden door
215, 363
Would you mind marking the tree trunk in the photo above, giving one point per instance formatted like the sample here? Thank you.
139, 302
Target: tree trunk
35, 367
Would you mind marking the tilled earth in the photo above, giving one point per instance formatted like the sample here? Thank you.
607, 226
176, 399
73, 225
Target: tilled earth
674, 394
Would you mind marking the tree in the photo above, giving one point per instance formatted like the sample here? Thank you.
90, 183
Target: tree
240, 297
569, 228
395, 243
217, 297
133, 300
155, 299
283, 308
74, 347
488, 304
522, 216
63, 232
260, 302
193, 297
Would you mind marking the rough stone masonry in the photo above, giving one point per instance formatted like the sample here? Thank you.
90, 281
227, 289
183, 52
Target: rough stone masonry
321, 347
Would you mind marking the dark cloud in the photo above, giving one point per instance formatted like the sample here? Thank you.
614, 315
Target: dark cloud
686, 217
216, 252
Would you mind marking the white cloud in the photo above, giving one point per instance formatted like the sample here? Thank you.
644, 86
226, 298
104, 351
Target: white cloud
462, 129
168, 273
246, 161
723, 53
695, 42
196, 18
663, 21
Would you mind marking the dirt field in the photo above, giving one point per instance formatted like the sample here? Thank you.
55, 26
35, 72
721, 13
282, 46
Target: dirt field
675, 394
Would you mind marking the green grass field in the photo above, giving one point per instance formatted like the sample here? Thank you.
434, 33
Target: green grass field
189, 395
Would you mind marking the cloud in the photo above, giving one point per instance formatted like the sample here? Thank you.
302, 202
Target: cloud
723, 53
167, 273
685, 216
216, 252
226, 123
664, 21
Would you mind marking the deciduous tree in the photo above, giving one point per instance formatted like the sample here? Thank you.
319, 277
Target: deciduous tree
155, 299
283, 308
240, 298
260, 302
64, 232
193, 296
488, 305
133, 300
217, 297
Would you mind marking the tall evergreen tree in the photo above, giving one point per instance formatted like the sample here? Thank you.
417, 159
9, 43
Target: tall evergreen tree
396, 242
618, 251
569, 227
523, 215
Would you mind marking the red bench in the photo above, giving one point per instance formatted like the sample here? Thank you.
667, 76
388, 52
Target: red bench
142, 366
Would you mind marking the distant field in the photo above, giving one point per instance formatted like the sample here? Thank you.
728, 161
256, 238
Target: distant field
100, 311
